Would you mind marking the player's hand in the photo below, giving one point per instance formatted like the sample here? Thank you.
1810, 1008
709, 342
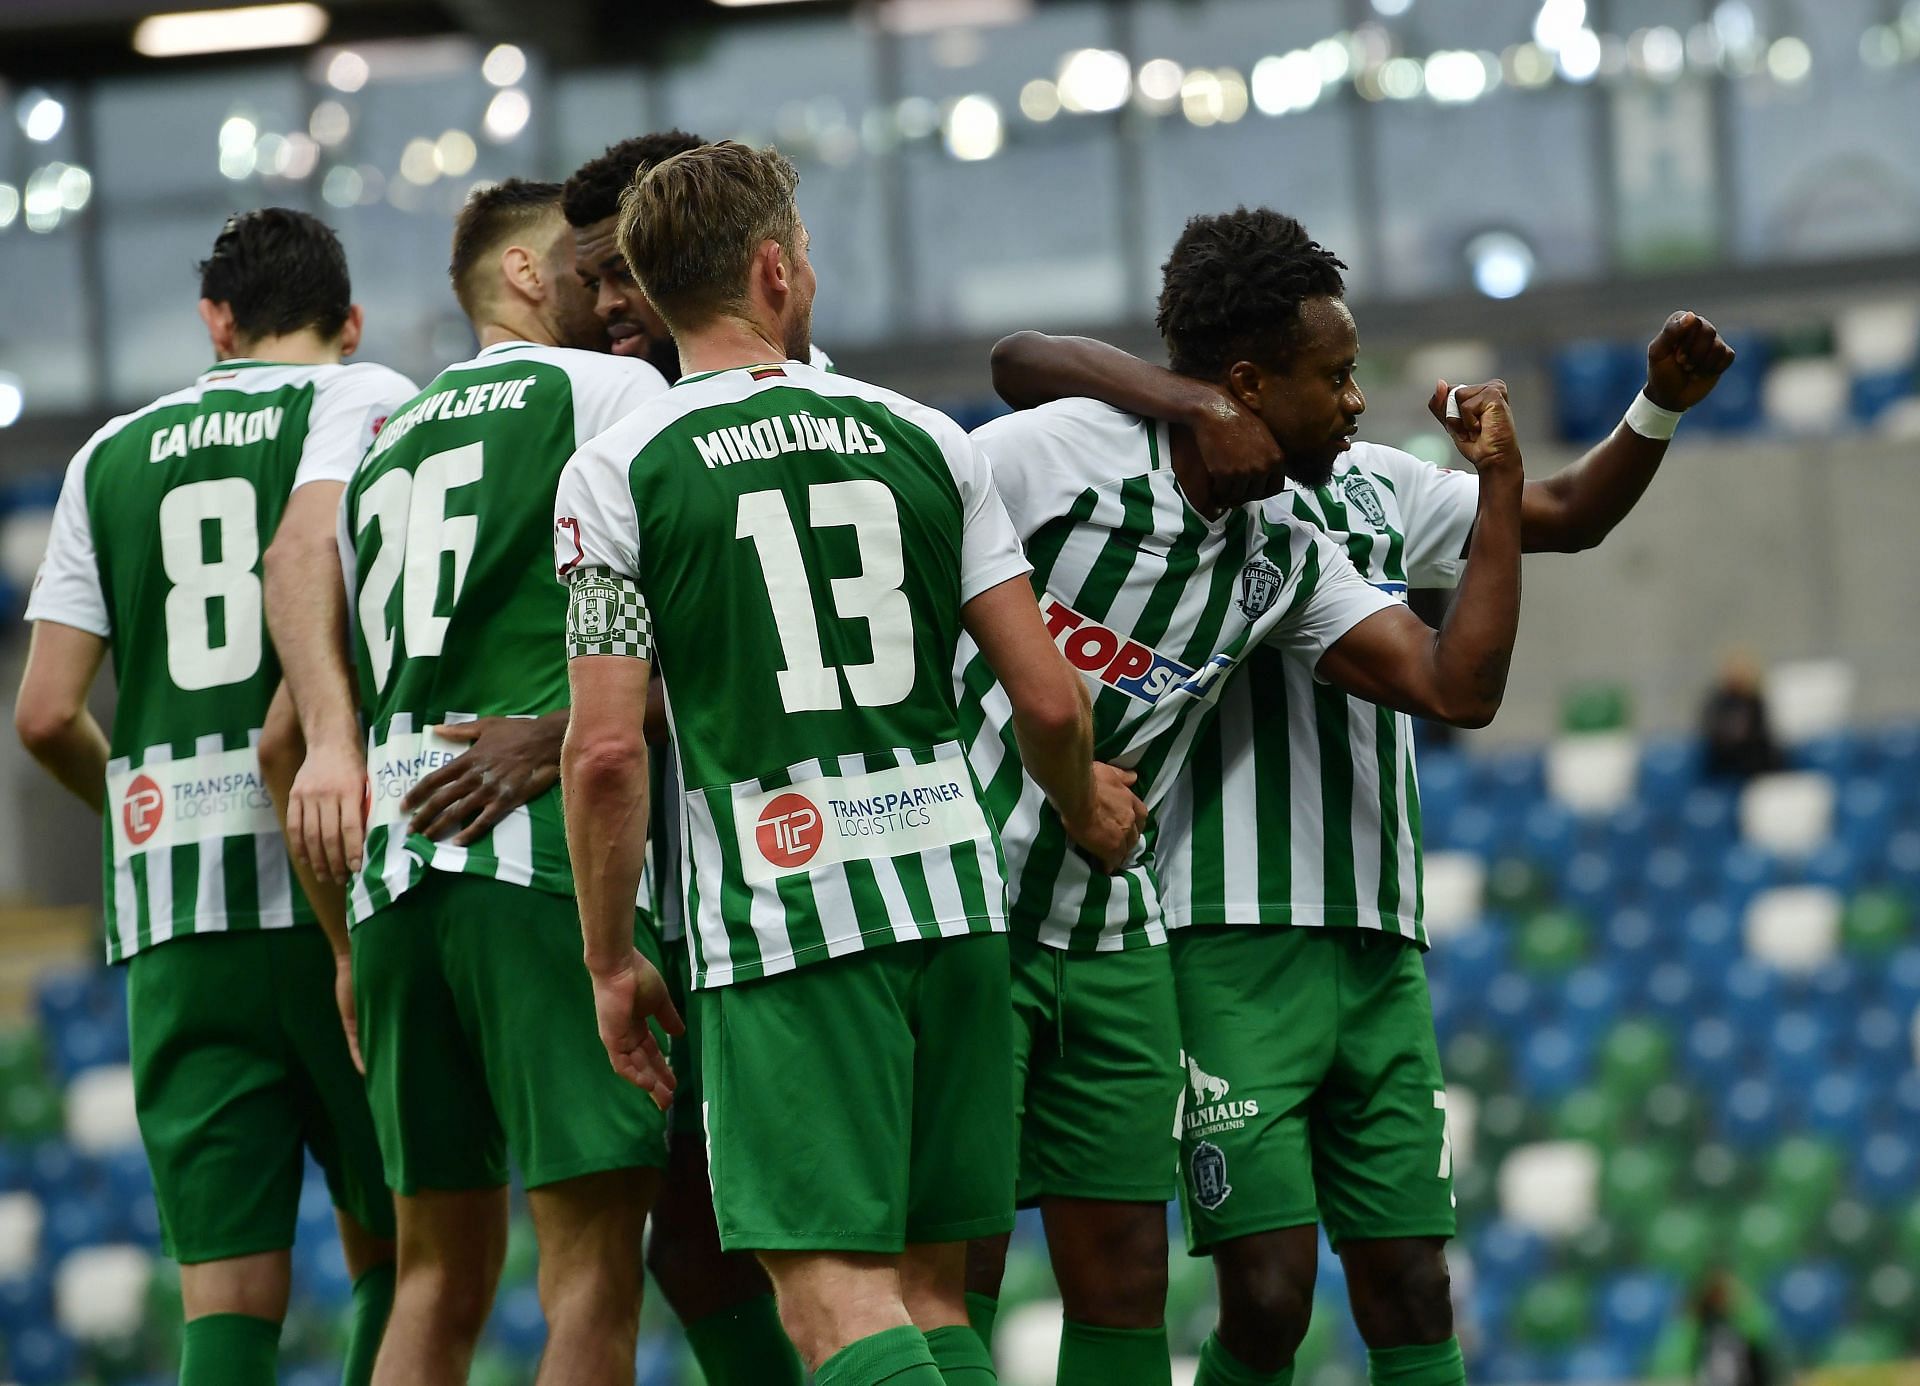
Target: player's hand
326, 811
1115, 817
349, 1015
1479, 419
1242, 461
513, 761
1685, 362
624, 1002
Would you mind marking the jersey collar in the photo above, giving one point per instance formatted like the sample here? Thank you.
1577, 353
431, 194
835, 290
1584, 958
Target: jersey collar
504, 346
240, 363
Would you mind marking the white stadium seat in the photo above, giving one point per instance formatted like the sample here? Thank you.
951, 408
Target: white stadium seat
21, 1217
1794, 928
23, 543
1463, 1125
100, 1113
1026, 1344
1594, 772
1875, 337
1790, 814
1552, 1187
1456, 884
1810, 395
1808, 698
100, 1292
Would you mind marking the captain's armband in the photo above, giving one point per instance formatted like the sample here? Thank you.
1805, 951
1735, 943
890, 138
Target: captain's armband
606, 615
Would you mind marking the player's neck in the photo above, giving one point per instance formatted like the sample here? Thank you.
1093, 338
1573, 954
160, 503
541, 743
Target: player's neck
512, 327
1191, 473
303, 348
726, 344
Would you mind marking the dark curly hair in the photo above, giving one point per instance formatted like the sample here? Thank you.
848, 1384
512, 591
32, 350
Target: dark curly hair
593, 193
1233, 287
279, 271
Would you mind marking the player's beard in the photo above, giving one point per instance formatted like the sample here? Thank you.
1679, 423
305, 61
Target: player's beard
1312, 472
663, 355
799, 342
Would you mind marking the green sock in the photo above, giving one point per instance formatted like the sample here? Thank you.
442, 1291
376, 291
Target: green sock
745, 1346
897, 1355
372, 1302
1429, 1364
229, 1350
1093, 1356
982, 1310
962, 1358
1218, 1367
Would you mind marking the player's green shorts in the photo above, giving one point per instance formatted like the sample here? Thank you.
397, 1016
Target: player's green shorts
1313, 1086
477, 1027
1096, 1061
863, 1103
239, 1060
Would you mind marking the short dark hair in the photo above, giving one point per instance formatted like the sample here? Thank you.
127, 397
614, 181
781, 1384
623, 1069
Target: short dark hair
1233, 287
491, 218
279, 271
593, 193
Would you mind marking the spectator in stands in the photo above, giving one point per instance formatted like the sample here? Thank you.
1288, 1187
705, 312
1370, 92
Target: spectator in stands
1739, 740
1723, 1337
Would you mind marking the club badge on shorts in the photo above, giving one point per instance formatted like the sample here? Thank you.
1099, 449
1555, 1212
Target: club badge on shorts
1207, 1170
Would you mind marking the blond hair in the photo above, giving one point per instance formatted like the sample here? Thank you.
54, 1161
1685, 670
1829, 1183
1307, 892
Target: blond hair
690, 225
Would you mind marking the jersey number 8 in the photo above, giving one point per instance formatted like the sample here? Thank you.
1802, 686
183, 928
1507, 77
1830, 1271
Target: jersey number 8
197, 582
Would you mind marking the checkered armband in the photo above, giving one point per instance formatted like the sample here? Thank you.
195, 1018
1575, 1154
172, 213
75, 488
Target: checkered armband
606, 615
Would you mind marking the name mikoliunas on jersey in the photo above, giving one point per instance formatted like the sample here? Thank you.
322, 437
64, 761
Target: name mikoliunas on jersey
783, 433
226, 428
456, 403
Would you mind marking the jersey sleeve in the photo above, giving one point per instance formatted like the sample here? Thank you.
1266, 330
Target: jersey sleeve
67, 587
348, 409
607, 390
990, 551
594, 524
819, 359
1324, 597
1437, 507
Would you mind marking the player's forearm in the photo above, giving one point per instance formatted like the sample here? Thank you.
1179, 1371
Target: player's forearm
1579, 506
1474, 646
307, 615
1032, 368
281, 751
603, 784
74, 752
1056, 746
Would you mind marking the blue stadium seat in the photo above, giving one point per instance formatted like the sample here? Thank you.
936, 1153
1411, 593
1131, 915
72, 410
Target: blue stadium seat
1443, 784
1471, 829
1672, 991
1712, 1053
1751, 1116
1668, 882
1831, 753
1809, 1301
1505, 1253
1744, 872
1473, 959
1711, 938
1900, 982
1590, 379
1553, 1062
1634, 1308
1799, 1048
1887, 1169
1895, 751
1837, 989
1629, 835
1589, 884
1901, 864
1863, 816
1873, 393
1511, 780
1835, 864
1906, 1099
1512, 1003
1597, 1362
1837, 1107
24, 1302
1548, 831
1669, 767
1590, 999
1880, 1041
73, 1220
1634, 938
1511, 1366
517, 1325
1708, 817
1753, 997
42, 1356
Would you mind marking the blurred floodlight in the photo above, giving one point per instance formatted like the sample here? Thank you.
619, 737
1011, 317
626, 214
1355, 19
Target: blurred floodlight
1335, 59
1402, 79
1039, 100
507, 115
40, 116
1287, 83
1557, 23
302, 157
12, 399
1159, 81
1454, 76
1735, 25
974, 129
918, 117
1527, 65
1502, 264
342, 186
1579, 56
1094, 79
1200, 97
419, 163
75, 186
1663, 52
9, 204
504, 66
1390, 8
229, 31
238, 132
330, 124
271, 154
455, 152
1880, 46
1789, 60
348, 71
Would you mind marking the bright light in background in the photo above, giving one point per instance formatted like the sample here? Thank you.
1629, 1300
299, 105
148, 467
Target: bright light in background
1290, 83
1094, 79
974, 129
348, 71
1789, 60
342, 186
12, 399
455, 152
418, 164
1664, 52
1335, 57
75, 186
1040, 100
1401, 79
504, 65
1390, 8
330, 123
302, 156
272, 154
1557, 22
1454, 76
507, 115
1880, 46
1159, 81
1735, 25
918, 117
1579, 56
40, 116
9, 204
1501, 262
239, 146
42, 199
1527, 65
229, 31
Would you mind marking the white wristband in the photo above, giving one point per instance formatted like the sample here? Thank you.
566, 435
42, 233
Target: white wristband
1649, 420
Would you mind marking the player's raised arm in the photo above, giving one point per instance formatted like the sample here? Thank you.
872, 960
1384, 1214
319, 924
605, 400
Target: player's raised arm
1458, 675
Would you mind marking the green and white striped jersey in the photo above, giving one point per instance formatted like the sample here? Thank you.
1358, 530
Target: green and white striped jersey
804, 543
155, 547
446, 543
1300, 804
1156, 606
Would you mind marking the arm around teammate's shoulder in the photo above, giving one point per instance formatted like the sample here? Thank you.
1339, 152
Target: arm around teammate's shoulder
1458, 675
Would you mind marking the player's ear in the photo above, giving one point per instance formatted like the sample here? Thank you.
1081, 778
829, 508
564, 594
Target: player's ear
520, 267
351, 329
777, 269
220, 329
1246, 382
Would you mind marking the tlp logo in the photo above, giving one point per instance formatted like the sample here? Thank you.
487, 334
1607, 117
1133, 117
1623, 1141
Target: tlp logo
789, 831
141, 809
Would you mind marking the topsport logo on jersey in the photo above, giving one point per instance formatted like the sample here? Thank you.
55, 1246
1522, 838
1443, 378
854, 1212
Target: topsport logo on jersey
141, 809
790, 831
